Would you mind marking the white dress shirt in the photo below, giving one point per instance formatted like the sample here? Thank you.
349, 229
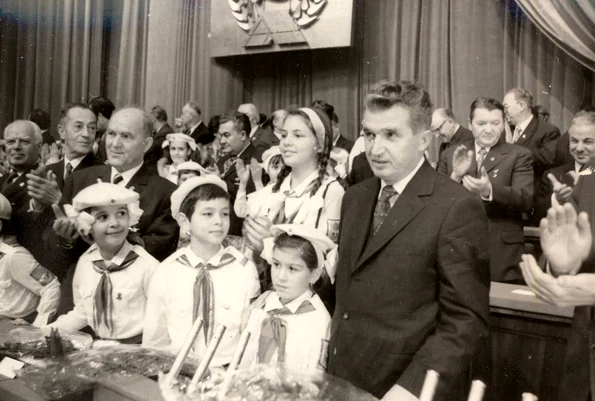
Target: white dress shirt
26, 286
520, 128
126, 175
129, 300
169, 310
74, 163
400, 186
307, 333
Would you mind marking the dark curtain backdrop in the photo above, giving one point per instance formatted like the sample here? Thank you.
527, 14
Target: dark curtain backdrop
157, 52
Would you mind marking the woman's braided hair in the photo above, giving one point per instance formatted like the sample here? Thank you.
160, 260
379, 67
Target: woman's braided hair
323, 156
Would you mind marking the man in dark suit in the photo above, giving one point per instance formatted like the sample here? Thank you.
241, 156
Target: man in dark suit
339, 141
162, 128
235, 144
500, 174
412, 284
448, 130
261, 138
360, 170
23, 143
191, 119
537, 135
569, 277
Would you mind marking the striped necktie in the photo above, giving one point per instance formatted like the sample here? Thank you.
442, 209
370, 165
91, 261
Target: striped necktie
103, 292
67, 170
273, 332
481, 156
203, 295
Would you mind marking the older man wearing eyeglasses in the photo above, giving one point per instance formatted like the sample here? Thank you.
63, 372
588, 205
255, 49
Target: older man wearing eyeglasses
448, 129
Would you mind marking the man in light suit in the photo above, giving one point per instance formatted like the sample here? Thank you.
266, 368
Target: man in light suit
500, 174
569, 277
235, 144
412, 283
260, 137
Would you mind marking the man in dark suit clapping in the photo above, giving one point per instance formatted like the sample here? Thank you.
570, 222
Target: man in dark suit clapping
412, 284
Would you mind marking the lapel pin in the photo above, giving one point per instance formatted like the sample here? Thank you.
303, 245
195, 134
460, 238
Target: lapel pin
119, 297
496, 171
22, 184
492, 159
523, 136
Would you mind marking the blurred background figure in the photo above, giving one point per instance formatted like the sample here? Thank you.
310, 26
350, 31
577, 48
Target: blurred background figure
103, 109
541, 112
43, 120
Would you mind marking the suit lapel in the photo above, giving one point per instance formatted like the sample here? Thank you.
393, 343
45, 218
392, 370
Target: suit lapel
528, 132
59, 171
408, 206
360, 227
494, 157
139, 180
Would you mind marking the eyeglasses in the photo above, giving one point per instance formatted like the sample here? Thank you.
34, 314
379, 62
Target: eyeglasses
437, 130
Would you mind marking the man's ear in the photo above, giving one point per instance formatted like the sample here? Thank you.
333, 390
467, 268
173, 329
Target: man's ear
148, 143
61, 131
425, 140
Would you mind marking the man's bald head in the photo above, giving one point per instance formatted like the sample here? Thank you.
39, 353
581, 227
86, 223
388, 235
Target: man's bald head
444, 124
128, 137
251, 111
23, 141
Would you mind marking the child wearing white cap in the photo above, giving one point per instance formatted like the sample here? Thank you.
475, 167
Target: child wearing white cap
112, 277
188, 170
290, 326
203, 280
26, 287
179, 148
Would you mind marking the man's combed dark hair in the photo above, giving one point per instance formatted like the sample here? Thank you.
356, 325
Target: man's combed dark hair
328, 108
69, 106
102, 105
241, 121
485, 103
204, 192
323, 157
409, 95
41, 118
159, 113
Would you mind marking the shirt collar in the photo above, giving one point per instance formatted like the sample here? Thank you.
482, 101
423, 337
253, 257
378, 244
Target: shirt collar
74, 162
301, 188
253, 131
273, 302
126, 175
195, 126
477, 147
117, 259
194, 259
336, 140
522, 126
400, 185
577, 166
243, 150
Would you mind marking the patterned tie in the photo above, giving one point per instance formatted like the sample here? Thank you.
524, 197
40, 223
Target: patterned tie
103, 292
382, 207
273, 332
67, 170
117, 179
481, 156
229, 163
517, 134
204, 299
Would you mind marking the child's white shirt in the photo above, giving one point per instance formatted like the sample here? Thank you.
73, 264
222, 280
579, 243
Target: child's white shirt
307, 333
129, 294
26, 286
171, 300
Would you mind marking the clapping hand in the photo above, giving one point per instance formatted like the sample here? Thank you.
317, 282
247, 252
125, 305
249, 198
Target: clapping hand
562, 191
461, 162
65, 227
43, 188
481, 185
256, 172
243, 172
565, 238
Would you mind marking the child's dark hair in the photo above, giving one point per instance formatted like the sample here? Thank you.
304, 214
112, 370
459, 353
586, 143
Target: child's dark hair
307, 251
204, 192
323, 157
275, 160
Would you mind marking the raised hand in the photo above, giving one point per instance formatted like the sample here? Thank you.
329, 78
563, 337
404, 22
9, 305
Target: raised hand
481, 185
64, 226
565, 238
461, 161
256, 172
243, 172
43, 189
562, 191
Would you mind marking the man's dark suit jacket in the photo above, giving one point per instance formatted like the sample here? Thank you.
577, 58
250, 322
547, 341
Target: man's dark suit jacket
344, 143
231, 179
509, 170
415, 296
544, 189
201, 134
154, 153
58, 168
461, 135
47, 138
563, 155
264, 139
579, 368
360, 170
541, 138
